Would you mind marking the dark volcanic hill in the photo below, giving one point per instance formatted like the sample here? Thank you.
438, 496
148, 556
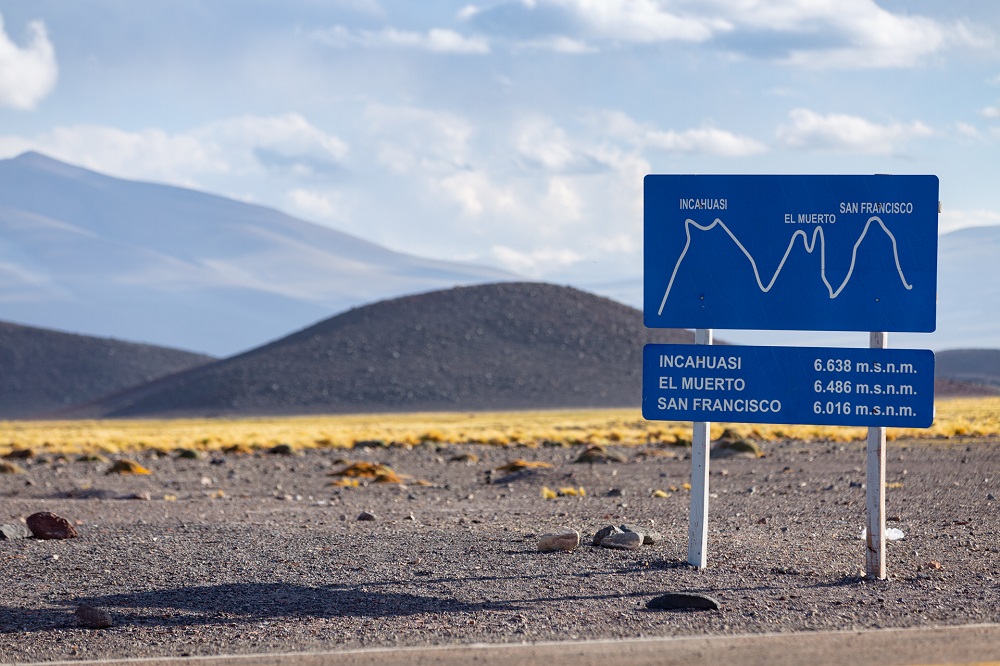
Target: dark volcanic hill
496, 346
973, 366
43, 370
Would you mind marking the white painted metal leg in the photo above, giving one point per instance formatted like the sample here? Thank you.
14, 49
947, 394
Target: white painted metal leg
875, 490
700, 441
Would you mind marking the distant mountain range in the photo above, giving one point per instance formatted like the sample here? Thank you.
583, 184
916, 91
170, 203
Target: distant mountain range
87, 253
974, 366
496, 346
91, 254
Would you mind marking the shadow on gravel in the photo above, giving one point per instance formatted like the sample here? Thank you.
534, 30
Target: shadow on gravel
234, 602
220, 604
17, 620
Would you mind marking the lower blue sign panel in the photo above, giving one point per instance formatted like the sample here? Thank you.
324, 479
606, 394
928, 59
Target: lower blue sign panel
794, 385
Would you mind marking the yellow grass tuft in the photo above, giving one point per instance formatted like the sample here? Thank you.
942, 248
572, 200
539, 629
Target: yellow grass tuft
956, 418
126, 466
518, 465
377, 472
10, 468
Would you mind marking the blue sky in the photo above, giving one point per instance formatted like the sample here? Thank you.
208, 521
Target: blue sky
514, 133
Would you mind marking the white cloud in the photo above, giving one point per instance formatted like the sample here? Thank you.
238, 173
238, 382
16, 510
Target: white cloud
478, 195
313, 205
704, 140
990, 112
27, 74
248, 144
534, 263
849, 34
708, 140
435, 40
869, 36
965, 129
410, 138
557, 44
541, 143
288, 141
563, 201
952, 220
467, 12
835, 132
642, 21
566, 25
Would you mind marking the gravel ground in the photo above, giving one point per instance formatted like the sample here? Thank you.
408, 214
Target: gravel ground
259, 553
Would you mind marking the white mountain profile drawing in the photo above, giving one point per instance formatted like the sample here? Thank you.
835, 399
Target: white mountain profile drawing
968, 301
808, 243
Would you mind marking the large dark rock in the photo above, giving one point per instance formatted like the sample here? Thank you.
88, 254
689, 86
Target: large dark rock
47, 525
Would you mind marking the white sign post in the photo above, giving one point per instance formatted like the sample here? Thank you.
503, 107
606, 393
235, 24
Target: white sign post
701, 439
875, 488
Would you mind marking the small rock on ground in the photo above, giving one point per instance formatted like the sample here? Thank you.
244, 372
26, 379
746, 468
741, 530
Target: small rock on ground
93, 618
622, 541
12, 532
649, 537
604, 533
683, 601
47, 525
566, 540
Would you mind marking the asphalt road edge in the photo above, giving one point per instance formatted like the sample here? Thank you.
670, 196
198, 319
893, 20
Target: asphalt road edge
977, 644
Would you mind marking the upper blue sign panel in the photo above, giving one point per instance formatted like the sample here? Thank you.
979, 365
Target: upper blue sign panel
824, 253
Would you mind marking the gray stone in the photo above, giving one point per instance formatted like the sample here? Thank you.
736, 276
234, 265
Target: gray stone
365, 515
649, 537
622, 541
604, 533
626, 527
12, 532
566, 540
93, 618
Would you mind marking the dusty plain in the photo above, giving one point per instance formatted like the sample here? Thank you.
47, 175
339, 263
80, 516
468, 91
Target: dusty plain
258, 552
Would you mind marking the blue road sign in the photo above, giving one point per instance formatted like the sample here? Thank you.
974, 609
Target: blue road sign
807, 385
831, 253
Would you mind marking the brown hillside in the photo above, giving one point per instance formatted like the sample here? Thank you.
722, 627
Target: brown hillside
43, 370
497, 346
